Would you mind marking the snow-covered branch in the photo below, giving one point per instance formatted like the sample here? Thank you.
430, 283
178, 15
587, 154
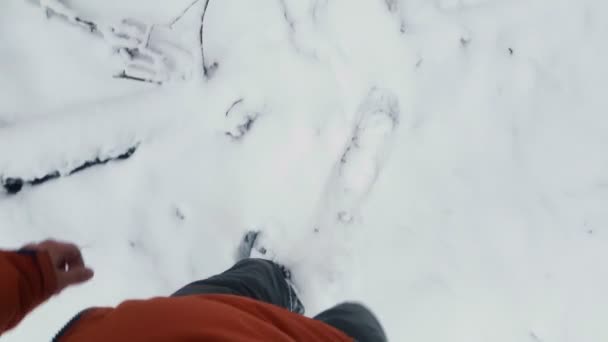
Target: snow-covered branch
58, 8
13, 185
148, 51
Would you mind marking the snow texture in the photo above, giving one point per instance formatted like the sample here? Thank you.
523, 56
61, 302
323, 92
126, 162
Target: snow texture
478, 215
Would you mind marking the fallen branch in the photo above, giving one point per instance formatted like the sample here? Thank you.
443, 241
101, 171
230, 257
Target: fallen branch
14, 185
130, 39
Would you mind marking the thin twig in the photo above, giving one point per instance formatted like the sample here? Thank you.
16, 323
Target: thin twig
234, 105
200, 38
123, 75
176, 19
91, 25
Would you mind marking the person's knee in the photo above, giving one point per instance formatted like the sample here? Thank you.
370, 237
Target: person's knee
255, 262
260, 266
353, 309
259, 269
356, 320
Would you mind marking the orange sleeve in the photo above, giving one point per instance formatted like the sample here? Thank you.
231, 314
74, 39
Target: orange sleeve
26, 280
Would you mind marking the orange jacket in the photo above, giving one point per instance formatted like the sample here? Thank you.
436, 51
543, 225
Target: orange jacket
27, 280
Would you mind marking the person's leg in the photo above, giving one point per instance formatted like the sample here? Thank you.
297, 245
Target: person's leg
258, 279
355, 320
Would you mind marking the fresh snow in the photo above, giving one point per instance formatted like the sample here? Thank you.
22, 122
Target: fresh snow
485, 217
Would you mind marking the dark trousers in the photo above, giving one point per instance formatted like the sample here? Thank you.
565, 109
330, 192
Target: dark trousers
263, 280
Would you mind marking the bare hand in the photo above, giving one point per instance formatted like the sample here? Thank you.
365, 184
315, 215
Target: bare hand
67, 262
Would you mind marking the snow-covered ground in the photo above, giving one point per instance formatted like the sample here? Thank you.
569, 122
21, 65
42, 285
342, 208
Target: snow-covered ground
483, 217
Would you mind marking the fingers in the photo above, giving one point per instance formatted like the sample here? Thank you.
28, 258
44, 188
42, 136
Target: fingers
63, 253
73, 268
72, 256
75, 276
67, 261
